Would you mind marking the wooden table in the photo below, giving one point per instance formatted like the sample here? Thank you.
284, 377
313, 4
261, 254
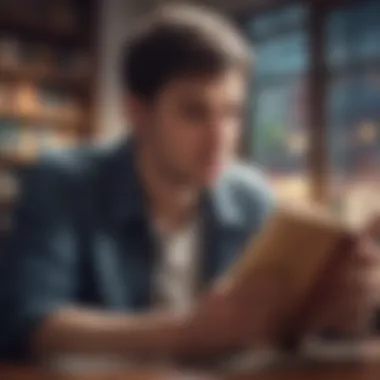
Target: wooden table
364, 364
336, 372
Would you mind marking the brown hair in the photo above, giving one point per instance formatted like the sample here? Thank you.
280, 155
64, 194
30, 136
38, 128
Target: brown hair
180, 40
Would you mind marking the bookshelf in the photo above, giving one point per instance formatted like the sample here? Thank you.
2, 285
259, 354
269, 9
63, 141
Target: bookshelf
55, 77
47, 85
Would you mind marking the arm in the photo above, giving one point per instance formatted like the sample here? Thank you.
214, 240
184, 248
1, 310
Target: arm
39, 283
81, 331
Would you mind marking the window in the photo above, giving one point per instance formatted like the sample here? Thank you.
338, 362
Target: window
353, 108
353, 33
279, 140
347, 98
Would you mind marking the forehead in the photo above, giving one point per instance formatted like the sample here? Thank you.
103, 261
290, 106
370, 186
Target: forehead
223, 86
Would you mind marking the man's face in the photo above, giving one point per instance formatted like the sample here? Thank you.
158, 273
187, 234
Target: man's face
193, 126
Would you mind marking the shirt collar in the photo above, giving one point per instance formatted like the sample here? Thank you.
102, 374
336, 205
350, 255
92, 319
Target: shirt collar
125, 198
221, 205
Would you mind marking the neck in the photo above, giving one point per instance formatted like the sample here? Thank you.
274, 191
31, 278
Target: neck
172, 205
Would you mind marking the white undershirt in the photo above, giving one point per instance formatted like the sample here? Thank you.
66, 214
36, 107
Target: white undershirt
175, 288
177, 270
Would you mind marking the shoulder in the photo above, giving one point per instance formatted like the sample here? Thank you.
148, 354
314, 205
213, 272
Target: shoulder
66, 177
73, 164
247, 181
249, 192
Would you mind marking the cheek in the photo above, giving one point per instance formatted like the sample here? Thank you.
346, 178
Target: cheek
232, 135
213, 142
178, 140
185, 141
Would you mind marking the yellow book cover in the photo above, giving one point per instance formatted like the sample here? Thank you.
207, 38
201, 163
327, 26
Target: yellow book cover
296, 246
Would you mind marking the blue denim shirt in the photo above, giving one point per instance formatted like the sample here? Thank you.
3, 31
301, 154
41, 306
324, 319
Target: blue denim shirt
82, 237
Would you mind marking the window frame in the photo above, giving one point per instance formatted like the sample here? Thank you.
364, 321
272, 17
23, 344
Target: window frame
318, 76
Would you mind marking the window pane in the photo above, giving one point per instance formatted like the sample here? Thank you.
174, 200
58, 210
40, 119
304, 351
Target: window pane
353, 34
280, 138
282, 55
354, 143
266, 24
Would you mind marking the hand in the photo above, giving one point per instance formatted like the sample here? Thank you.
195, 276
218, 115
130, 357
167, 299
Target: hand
349, 293
233, 318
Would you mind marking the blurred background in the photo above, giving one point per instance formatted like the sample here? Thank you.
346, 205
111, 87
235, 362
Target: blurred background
313, 115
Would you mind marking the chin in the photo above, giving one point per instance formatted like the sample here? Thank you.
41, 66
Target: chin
210, 176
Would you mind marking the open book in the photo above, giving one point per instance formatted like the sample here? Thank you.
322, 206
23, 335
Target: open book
296, 246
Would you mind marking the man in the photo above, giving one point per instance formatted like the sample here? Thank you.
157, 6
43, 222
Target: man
115, 250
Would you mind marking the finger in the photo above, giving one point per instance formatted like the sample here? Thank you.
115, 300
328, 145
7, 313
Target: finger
367, 253
344, 259
367, 249
355, 307
372, 229
363, 254
350, 288
337, 275
373, 285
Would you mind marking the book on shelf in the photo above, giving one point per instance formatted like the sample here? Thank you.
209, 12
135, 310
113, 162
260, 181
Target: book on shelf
26, 100
41, 61
55, 15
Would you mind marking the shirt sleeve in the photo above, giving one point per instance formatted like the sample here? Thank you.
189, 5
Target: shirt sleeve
39, 270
